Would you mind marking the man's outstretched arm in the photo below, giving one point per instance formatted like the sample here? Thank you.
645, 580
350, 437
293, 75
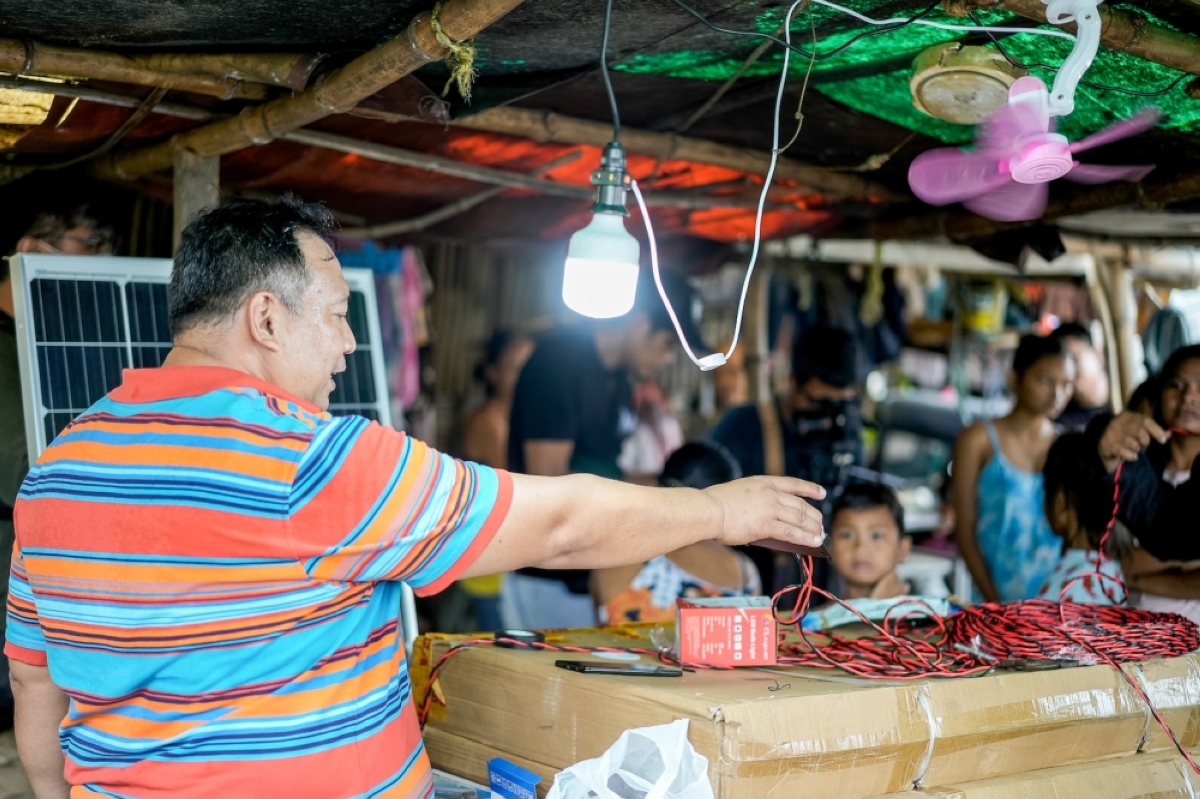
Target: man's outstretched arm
585, 522
40, 708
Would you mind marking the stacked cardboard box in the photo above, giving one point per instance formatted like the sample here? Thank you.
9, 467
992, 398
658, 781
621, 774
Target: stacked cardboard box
776, 732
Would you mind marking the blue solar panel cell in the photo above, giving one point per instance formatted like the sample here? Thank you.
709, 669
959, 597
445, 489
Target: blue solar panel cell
76, 311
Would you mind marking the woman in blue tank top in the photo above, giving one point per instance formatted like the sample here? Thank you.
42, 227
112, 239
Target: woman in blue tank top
1001, 526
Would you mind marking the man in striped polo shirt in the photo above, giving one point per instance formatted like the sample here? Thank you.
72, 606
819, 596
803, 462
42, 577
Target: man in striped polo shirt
206, 577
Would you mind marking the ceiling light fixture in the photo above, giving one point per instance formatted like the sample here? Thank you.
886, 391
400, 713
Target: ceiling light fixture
601, 272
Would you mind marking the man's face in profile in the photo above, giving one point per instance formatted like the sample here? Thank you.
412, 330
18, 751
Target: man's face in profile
318, 337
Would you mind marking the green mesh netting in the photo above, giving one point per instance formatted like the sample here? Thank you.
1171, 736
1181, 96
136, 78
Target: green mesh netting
886, 95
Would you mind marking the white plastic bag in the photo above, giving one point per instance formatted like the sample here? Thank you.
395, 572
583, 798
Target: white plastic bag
647, 763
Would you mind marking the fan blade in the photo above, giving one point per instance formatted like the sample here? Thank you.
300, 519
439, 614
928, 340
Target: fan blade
949, 175
1026, 114
1142, 121
1015, 202
1097, 173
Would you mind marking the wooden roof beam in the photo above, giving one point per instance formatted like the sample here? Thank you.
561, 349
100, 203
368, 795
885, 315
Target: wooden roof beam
229, 76
335, 94
1121, 31
960, 225
546, 126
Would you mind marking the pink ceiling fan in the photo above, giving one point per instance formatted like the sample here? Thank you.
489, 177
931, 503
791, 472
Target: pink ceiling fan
1016, 155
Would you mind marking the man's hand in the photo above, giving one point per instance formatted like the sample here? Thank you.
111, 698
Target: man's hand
769, 507
1127, 436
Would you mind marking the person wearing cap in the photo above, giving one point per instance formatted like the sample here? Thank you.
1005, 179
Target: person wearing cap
794, 435
812, 432
571, 414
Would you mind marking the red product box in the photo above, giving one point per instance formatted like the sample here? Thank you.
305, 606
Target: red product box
734, 631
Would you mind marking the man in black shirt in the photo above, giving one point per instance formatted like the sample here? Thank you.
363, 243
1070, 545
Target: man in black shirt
571, 413
816, 429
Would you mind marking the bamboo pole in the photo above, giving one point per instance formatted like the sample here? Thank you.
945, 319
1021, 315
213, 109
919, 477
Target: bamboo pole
545, 126
106, 98
337, 93
1121, 31
287, 70
962, 225
1112, 362
416, 224
29, 58
500, 177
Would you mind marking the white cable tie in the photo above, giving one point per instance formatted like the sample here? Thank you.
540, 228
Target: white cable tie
708, 362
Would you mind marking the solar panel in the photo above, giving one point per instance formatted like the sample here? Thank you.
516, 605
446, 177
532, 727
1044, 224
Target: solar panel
81, 320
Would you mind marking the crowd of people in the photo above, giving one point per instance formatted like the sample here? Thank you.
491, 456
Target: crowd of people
1031, 493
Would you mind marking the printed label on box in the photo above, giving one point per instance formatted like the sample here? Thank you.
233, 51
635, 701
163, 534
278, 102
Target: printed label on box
737, 631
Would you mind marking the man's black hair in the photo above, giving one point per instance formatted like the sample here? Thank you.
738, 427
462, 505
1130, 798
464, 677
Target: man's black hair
1074, 470
699, 464
64, 214
1033, 348
1073, 330
238, 248
868, 496
828, 354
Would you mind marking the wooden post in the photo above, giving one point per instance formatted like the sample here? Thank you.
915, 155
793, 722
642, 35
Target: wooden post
197, 186
1116, 398
754, 333
1119, 284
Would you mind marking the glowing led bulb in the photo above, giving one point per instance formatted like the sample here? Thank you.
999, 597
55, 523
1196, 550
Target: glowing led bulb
601, 274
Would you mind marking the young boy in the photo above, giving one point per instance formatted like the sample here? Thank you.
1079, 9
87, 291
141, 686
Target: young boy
867, 542
1078, 507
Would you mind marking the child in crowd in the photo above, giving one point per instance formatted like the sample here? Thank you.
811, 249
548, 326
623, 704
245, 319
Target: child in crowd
1000, 528
708, 569
867, 542
1078, 507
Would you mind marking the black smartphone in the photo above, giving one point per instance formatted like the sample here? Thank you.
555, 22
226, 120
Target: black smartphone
624, 669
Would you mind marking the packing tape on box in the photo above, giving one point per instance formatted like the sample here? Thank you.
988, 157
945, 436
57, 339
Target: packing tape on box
925, 703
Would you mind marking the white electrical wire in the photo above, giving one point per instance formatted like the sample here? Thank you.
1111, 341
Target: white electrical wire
717, 359
944, 25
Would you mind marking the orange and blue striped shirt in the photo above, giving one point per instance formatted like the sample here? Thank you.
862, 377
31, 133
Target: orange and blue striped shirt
210, 569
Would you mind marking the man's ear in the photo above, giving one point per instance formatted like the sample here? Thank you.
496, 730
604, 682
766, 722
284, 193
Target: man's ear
905, 548
264, 318
30, 244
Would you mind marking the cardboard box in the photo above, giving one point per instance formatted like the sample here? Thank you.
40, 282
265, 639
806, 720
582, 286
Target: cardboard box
774, 732
468, 759
1154, 776
727, 631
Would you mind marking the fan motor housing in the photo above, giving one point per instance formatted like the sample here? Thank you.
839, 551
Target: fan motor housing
961, 84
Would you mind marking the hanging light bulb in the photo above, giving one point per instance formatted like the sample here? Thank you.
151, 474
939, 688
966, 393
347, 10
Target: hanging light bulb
601, 274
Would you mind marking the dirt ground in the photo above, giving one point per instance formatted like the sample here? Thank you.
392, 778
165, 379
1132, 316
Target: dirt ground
13, 784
